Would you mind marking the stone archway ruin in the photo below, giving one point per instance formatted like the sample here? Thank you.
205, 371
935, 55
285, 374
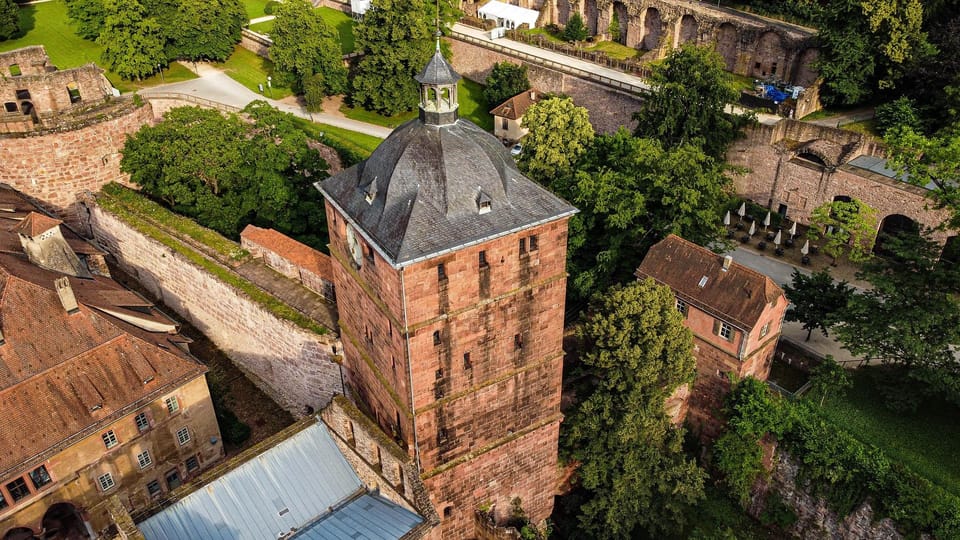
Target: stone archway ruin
652, 29
891, 226
686, 31
728, 41
591, 16
770, 56
623, 18
63, 521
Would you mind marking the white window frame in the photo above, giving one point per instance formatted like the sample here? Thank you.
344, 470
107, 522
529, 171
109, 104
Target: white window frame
109, 439
106, 482
183, 436
682, 307
765, 329
146, 422
173, 404
144, 459
726, 331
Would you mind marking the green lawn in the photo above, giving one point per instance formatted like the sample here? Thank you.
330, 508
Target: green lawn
925, 441
254, 8
472, 107
338, 20
866, 127
250, 70
615, 50
264, 27
47, 24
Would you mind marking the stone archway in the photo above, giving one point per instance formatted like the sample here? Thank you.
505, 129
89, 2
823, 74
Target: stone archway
728, 41
563, 11
687, 30
892, 226
590, 16
620, 11
804, 74
652, 29
63, 521
770, 56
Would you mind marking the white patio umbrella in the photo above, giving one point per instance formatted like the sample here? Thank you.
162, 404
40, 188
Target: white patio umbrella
793, 230
806, 248
753, 227
742, 211
726, 218
766, 221
776, 239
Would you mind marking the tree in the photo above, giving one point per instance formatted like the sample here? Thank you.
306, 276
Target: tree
575, 30
910, 317
614, 28
133, 43
88, 15
505, 81
9, 19
849, 225
228, 171
930, 160
559, 134
901, 112
829, 377
304, 46
397, 38
207, 30
815, 300
632, 193
630, 455
691, 90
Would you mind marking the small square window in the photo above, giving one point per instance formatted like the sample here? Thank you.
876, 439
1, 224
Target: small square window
682, 307
173, 479
725, 331
192, 464
23, 94
143, 459
18, 489
143, 423
523, 245
441, 272
172, 404
106, 481
534, 242
40, 477
110, 439
153, 488
436, 338
183, 436
15, 70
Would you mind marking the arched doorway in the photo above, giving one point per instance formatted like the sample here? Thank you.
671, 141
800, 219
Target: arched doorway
590, 16
892, 226
686, 30
563, 11
769, 57
652, 28
63, 521
620, 12
727, 43
805, 74
20, 533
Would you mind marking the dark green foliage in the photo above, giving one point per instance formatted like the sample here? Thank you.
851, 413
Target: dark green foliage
227, 172
686, 106
575, 30
614, 28
234, 431
630, 455
304, 46
206, 30
900, 112
505, 81
270, 6
739, 458
829, 378
816, 299
930, 160
398, 37
88, 15
314, 90
777, 514
133, 41
9, 19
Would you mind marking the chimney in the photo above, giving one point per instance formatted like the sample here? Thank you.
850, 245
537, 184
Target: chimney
727, 261
65, 292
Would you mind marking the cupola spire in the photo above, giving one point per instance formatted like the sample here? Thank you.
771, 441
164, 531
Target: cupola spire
438, 90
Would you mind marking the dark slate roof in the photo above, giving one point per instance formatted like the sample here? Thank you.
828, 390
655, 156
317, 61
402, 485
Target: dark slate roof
738, 295
429, 180
438, 71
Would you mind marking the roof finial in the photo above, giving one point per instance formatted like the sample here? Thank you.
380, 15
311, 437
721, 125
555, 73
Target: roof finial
439, 33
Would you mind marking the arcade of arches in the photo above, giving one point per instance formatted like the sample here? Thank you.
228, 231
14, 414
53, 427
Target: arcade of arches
749, 45
61, 521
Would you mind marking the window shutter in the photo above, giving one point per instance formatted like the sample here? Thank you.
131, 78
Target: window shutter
716, 327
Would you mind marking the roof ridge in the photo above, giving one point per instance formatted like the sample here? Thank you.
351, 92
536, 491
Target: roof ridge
740, 266
57, 365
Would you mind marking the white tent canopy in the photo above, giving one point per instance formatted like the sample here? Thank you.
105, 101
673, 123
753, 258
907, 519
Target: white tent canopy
359, 7
507, 15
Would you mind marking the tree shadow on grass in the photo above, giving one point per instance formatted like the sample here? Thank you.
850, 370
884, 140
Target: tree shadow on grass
28, 16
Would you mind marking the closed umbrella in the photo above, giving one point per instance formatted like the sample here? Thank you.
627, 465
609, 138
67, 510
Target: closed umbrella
806, 248
742, 211
776, 239
793, 229
753, 228
766, 221
726, 218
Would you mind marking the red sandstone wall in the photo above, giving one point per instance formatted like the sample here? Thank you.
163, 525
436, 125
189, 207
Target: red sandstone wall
55, 167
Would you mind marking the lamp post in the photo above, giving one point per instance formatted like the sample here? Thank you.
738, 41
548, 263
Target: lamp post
269, 86
160, 69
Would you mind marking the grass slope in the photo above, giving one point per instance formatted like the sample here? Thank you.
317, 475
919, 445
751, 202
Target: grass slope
251, 70
472, 107
925, 441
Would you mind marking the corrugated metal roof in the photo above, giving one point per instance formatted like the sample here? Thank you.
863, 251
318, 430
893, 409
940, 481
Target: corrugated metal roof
879, 165
285, 488
372, 516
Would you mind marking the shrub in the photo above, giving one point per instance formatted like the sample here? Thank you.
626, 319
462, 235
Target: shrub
900, 112
270, 7
575, 29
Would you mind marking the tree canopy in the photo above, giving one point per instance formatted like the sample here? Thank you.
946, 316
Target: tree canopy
691, 90
815, 300
630, 455
849, 226
559, 134
305, 48
133, 42
207, 30
934, 159
397, 38
505, 81
9, 19
230, 171
575, 30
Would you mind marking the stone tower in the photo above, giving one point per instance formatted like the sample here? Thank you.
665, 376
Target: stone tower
449, 270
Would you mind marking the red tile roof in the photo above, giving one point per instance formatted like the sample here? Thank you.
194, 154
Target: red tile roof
299, 254
515, 107
738, 295
35, 224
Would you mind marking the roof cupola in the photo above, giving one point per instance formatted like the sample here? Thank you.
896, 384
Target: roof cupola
438, 91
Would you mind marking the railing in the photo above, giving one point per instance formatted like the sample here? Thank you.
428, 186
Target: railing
628, 87
788, 394
203, 102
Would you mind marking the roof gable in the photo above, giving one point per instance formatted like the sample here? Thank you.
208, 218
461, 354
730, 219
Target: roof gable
515, 107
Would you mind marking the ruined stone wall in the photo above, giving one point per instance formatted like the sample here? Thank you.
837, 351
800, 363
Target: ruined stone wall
292, 365
49, 93
29, 61
609, 109
52, 168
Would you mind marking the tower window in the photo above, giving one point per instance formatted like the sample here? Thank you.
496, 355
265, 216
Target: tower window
441, 272
523, 245
436, 338
534, 242
518, 341
466, 361
439, 373
482, 259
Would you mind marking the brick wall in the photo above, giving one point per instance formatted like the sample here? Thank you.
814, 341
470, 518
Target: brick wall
277, 255
54, 167
293, 366
608, 108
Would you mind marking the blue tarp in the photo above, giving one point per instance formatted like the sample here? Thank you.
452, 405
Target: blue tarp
771, 92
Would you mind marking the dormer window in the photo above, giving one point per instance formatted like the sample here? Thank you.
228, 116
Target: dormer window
371, 192
484, 203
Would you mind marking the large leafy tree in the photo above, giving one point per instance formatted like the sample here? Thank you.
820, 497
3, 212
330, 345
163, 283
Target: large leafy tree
690, 91
305, 48
133, 42
206, 30
229, 171
849, 226
9, 19
930, 160
88, 15
559, 135
630, 455
505, 81
397, 37
815, 300
910, 317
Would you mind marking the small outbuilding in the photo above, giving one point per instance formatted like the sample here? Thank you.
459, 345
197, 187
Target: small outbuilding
508, 116
507, 15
